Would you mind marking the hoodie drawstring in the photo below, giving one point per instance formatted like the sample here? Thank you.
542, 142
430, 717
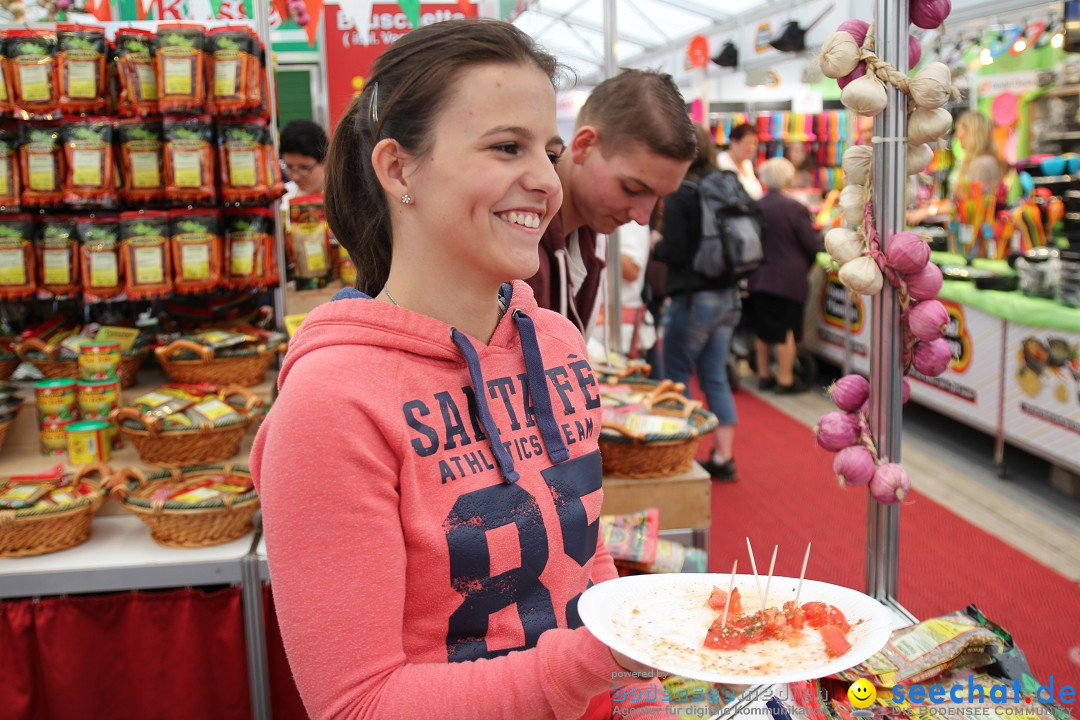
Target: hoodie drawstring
538, 392
538, 389
502, 457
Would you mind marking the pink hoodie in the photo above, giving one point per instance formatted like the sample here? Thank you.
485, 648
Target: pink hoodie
430, 507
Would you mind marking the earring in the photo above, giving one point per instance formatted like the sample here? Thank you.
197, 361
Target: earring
406, 199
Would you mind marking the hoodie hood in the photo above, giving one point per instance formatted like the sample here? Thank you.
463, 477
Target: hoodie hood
353, 319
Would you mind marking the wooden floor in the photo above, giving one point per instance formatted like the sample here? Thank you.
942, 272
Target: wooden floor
1022, 510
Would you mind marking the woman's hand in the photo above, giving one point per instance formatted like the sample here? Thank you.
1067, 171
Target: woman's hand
639, 670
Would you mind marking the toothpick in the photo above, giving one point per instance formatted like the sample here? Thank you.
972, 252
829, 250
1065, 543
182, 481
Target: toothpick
753, 566
802, 573
727, 603
772, 564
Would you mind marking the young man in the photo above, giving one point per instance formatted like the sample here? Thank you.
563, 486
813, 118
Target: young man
633, 144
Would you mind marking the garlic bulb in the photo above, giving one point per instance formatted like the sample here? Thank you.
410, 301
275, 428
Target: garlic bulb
839, 55
866, 96
856, 163
931, 86
843, 245
919, 158
853, 204
911, 194
928, 124
862, 275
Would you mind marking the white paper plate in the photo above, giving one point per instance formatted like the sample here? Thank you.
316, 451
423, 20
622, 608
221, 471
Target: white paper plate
661, 621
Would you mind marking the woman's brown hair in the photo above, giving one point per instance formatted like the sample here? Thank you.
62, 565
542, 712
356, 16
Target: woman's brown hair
408, 86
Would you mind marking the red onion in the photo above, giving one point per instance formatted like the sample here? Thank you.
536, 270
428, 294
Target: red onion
856, 28
890, 484
854, 466
914, 51
929, 14
850, 392
855, 74
931, 358
928, 320
926, 283
907, 252
837, 430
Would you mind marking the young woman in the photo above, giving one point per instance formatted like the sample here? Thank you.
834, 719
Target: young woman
704, 311
429, 474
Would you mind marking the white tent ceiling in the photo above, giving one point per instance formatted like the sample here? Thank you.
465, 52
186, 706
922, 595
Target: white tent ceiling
574, 29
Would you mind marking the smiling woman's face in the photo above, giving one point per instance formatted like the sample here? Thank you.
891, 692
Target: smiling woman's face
487, 190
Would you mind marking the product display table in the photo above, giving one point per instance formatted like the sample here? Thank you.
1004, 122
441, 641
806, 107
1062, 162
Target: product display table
120, 555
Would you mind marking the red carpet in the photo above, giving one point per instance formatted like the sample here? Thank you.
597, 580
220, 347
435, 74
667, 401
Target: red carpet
787, 495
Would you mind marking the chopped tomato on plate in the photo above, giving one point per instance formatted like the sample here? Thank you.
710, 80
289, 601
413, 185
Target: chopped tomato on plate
718, 599
836, 643
728, 638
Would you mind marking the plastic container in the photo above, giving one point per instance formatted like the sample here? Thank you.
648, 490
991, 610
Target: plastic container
56, 400
88, 442
99, 361
1039, 271
53, 437
97, 398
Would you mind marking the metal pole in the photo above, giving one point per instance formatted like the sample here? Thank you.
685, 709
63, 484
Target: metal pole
613, 309
890, 182
262, 27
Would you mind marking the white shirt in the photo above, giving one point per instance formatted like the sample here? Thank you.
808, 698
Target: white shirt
745, 171
633, 243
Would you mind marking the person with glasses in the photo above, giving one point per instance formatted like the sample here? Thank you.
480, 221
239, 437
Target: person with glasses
303, 152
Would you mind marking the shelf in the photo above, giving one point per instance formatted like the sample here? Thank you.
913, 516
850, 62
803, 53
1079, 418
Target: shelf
121, 555
1073, 135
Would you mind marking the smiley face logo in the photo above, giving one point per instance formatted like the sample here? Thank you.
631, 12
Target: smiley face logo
862, 693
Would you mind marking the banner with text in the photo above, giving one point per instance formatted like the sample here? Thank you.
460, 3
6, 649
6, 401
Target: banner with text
349, 60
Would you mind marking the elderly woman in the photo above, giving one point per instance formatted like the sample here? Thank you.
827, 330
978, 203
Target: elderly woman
779, 287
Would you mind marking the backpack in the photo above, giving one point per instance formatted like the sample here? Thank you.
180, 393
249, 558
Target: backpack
731, 228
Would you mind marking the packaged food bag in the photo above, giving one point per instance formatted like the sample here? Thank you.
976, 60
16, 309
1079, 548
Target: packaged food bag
141, 152
35, 86
144, 242
136, 73
58, 255
101, 268
89, 177
81, 60
180, 61
930, 648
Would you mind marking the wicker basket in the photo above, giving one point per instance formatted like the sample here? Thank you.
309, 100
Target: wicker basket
247, 368
629, 455
183, 524
194, 446
9, 361
43, 357
36, 532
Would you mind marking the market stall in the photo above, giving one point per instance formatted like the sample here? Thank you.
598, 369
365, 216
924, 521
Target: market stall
991, 383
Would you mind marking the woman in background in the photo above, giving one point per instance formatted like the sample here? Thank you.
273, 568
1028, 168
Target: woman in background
778, 288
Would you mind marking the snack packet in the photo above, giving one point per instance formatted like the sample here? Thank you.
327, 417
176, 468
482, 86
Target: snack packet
181, 68
58, 255
930, 648
82, 68
135, 71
